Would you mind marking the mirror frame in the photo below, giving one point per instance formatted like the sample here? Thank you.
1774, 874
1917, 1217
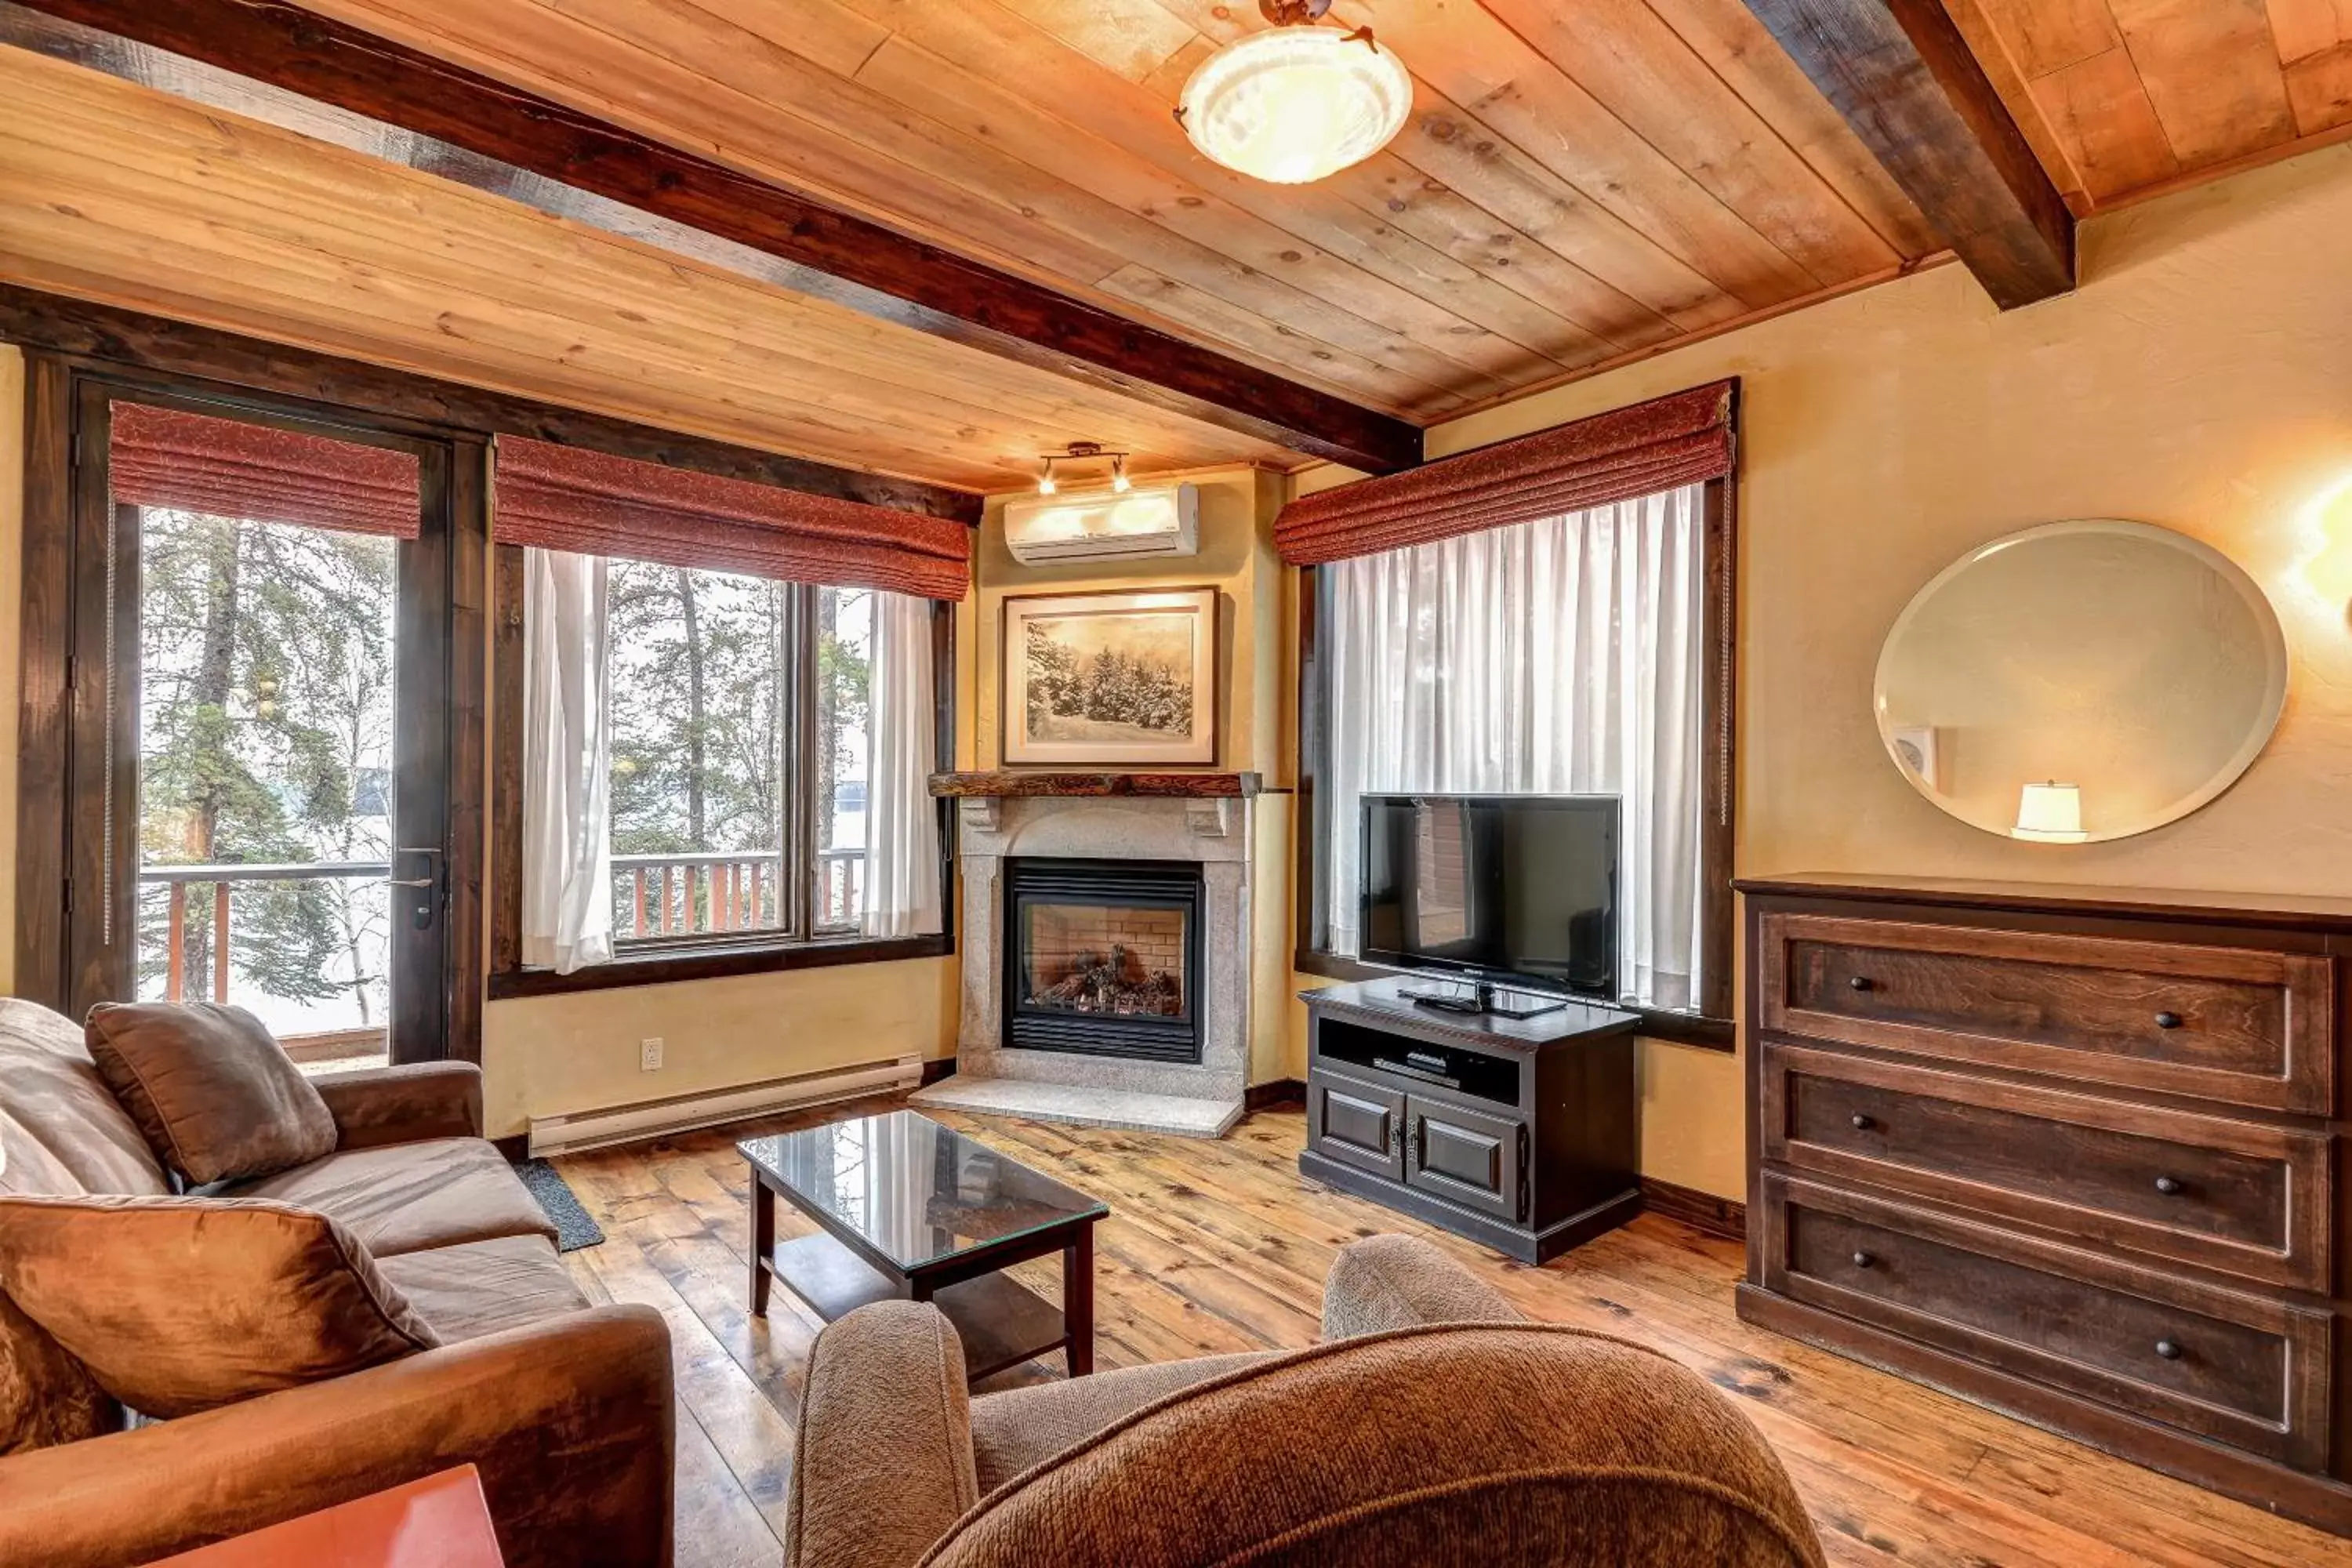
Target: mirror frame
2277, 659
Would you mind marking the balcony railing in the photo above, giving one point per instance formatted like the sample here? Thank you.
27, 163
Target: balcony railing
316, 1049
223, 879
720, 891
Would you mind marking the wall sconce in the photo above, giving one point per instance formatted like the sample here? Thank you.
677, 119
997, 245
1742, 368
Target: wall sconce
2050, 812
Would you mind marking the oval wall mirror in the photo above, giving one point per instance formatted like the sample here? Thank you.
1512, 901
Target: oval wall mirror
2082, 682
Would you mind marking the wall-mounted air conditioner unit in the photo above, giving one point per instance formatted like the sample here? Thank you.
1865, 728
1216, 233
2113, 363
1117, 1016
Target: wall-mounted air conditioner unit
1103, 525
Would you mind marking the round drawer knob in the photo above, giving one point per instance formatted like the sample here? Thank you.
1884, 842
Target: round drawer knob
2167, 1185
2167, 1020
1863, 1260
1863, 1123
1863, 983
2168, 1350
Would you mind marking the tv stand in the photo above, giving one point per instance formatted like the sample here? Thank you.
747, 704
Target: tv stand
1484, 1001
1520, 1132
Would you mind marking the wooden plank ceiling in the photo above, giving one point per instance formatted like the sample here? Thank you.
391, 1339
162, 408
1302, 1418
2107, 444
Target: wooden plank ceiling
2124, 97
1579, 184
131, 196
1564, 194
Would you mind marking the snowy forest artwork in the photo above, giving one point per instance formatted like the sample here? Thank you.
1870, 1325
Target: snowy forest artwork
1111, 677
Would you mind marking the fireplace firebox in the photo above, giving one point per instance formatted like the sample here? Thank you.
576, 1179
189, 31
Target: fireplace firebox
1102, 957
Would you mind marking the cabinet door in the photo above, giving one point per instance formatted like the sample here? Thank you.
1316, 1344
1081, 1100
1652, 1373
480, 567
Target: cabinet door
1464, 1156
1359, 1124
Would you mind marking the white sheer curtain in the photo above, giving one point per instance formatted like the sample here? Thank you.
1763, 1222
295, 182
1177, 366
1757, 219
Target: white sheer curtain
902, 845
1557, 656
567, 857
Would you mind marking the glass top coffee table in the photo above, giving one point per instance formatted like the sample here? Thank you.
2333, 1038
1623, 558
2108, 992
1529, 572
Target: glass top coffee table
913, 1210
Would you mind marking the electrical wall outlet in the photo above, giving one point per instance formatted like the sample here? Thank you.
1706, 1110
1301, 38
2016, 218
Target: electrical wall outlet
649, 1054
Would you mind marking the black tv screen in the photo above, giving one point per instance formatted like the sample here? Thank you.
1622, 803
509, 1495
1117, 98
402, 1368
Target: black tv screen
1502, 886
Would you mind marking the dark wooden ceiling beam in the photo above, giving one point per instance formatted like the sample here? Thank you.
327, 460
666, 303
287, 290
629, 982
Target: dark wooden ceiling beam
881, 271
1901, 74
107, 335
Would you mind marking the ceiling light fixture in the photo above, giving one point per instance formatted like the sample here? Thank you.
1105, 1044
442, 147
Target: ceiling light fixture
1297, 103
1081, 452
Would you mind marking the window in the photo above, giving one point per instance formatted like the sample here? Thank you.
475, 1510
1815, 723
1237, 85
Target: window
1584, 653
735, 717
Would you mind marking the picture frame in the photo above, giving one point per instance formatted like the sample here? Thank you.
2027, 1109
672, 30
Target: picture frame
1116, 679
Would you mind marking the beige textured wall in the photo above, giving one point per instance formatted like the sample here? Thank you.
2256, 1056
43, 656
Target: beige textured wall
2201, 379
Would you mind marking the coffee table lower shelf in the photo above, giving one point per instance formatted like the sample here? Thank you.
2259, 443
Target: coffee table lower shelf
1001, 1322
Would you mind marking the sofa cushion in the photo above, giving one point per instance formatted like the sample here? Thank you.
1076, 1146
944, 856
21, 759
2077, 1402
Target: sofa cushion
1583, 1449
62, 1131
1018, 1428
484, 1287
46, 1395
180, 1304
216, 1094
405, 1198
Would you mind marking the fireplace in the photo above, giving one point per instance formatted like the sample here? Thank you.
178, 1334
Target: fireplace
1103, 958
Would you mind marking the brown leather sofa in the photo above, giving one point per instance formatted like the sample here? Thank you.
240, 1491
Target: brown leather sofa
565, 1407
1434, 1429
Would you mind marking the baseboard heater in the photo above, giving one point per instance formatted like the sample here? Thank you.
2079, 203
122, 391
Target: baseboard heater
682, 1113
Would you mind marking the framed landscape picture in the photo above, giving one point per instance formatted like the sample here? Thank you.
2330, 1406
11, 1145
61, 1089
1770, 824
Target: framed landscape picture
1114, 679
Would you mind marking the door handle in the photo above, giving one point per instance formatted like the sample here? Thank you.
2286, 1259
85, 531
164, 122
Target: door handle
422, 916
433, 879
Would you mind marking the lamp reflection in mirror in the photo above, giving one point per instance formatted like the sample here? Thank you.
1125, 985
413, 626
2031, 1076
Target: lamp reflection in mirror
2050, 812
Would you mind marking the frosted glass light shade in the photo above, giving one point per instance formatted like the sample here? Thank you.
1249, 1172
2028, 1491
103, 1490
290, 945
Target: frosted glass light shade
1295, 105
2050, 813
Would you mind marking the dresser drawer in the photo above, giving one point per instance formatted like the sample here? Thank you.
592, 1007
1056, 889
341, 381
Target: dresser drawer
2240, 1370
2237, 1196
2243, 1026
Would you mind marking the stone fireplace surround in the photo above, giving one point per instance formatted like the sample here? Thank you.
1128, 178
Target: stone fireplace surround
1203, 818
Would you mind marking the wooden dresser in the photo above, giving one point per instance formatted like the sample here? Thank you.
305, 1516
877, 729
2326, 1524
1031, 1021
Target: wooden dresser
2069, 1153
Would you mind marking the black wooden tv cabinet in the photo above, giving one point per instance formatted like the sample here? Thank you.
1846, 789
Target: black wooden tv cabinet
1521, 1134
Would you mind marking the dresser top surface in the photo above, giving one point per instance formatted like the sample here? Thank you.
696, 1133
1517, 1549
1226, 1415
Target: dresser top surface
2306, 910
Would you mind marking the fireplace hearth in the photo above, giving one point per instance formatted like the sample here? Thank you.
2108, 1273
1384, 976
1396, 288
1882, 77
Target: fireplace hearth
1103, 958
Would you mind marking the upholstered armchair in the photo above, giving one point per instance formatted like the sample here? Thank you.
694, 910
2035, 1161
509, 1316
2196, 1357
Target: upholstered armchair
1434, 1426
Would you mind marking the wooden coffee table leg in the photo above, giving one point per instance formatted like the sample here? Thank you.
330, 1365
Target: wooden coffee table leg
1079, 1300
763, 1242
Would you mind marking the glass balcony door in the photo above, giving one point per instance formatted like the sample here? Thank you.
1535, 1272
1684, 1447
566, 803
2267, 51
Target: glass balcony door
262, 723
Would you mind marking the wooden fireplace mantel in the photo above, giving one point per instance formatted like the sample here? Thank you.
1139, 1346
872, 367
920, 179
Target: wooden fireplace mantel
1179, 786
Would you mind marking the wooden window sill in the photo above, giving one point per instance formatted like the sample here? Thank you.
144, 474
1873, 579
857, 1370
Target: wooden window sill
670, 967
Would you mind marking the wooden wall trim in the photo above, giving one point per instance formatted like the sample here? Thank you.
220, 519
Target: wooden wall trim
104, 334
1903, 77
45, 630
864, 266
1725, 1217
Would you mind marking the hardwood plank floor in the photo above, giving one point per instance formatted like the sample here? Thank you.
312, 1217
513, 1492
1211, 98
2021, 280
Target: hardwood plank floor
1223, 1246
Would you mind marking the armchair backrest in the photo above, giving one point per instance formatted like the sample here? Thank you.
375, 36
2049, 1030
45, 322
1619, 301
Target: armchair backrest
1491, 1444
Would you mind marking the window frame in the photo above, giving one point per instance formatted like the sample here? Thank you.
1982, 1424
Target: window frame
61, 808
1711, 1026
679, 957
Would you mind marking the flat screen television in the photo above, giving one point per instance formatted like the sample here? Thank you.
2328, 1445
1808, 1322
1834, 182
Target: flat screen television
1501, 888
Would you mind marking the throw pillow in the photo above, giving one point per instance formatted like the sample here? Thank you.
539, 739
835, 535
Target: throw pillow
214, 1092
178, 1305
46, 1395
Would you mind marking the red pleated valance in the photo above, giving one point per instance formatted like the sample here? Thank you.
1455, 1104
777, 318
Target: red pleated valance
591, 503
1681, 439
234, 467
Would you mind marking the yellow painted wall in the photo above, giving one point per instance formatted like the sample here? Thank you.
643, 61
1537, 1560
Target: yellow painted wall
2201, 379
